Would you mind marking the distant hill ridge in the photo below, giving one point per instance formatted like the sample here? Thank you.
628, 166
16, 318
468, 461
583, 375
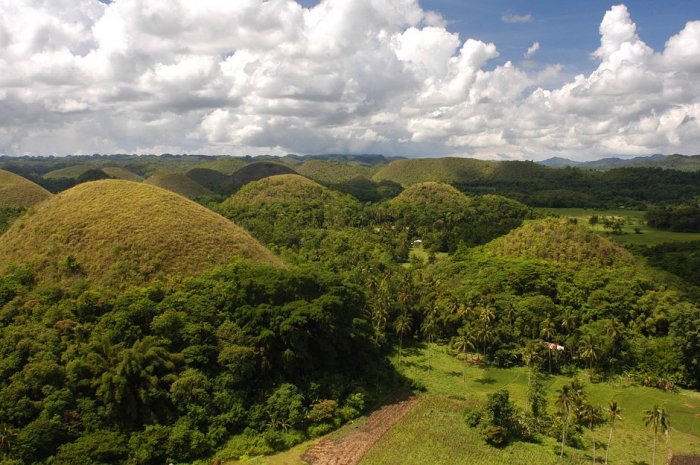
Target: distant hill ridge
675, 162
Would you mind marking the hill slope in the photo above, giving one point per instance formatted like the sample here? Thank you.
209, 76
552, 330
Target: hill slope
448, 170
331, 172
120, 233
68, 172
254, 172
16, 191
178, 183
118, 172
559, 240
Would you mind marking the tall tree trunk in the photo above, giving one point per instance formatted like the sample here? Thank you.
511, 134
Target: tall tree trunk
550, 361
593, 434
607, 451
563, 433
653, 459
400, 347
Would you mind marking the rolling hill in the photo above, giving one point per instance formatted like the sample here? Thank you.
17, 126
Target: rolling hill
118, 233
208, 178
117, 172
68, 172
447, 170
16, 191
561, 241
254, 172
432, 194
178, 183
331, 172
224, 165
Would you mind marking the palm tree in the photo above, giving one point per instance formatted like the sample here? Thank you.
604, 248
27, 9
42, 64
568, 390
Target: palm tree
568, 319
588, 349
613, 413
591, 416
614, 331
547, 333
484, 335
402, 325
569, 396
654, 418
463, 343
428, 328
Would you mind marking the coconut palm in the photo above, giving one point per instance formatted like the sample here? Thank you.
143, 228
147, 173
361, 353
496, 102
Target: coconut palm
613, 413
588, 349
428, 329
463, 343
570, 395
547, 333
568, 320
402, 325
614, 331
590, 416
655, 418
484, 335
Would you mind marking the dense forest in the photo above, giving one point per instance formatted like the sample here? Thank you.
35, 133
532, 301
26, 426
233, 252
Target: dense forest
244, 355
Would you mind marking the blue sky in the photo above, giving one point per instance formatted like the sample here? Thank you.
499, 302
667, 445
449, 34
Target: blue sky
493, 80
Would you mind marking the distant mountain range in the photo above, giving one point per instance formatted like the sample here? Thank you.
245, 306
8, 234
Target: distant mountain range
675, 162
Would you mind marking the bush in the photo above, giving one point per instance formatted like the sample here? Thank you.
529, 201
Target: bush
473, 417
494, 436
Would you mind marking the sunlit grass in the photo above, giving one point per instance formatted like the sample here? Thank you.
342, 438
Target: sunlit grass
16, 191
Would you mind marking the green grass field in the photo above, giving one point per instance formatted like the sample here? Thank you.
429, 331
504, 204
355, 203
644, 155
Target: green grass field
435, 432
633, 219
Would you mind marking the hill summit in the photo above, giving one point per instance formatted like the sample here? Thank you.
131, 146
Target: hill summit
16, 191
119, 233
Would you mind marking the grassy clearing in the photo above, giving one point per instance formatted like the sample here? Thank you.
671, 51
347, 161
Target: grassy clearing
633, 219
435, 432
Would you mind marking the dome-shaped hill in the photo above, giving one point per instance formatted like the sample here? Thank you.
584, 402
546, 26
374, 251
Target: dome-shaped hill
16, 191
209, 178
255, 172
331, 172
560, 240
277, 209
121, 233
68, 172
224, 165
178, 183
448, 170
432, 194
117, 172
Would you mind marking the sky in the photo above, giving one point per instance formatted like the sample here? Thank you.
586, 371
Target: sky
497, 80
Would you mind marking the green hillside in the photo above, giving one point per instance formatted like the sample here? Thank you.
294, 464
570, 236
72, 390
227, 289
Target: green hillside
68, 172
432, 194
119, 232
331, 172
254, 172
208, 178
117, 172
224, 165
560, 240
447, 170
178, 183
16, 191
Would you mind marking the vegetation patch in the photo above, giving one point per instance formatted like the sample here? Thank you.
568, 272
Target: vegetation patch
178, 183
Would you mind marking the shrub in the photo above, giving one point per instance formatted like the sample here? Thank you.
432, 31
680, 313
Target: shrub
495, 436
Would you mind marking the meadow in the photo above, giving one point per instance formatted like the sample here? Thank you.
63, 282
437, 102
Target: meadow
633, 219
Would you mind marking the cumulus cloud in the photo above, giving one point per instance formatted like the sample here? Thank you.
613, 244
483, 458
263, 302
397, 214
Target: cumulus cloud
382, 76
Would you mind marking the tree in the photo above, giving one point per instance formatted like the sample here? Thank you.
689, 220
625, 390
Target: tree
569, 396
428, 329
484, 334
463, 342
588, 349
613, 413
614, 331
402, 325
6, 435
591, 416
547, 333
655, 418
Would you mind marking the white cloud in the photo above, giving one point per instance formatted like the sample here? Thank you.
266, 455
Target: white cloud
515, 18
256, 76
532, 49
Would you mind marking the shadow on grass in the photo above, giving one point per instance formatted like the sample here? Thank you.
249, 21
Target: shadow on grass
485, 380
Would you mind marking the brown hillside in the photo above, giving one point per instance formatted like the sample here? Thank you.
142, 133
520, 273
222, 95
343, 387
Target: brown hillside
123, 233
178, 183
16, 191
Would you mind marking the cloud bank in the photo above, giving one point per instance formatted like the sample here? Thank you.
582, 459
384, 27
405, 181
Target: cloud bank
379, 76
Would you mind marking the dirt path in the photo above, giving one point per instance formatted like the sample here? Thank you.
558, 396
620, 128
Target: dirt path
350, 449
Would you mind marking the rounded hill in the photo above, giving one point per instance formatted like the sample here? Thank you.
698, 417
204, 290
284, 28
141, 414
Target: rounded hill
432, 194
224, 165
178, 183
448, 170
16, 191
561, 241
119, 233
68, 172
331, 172
208, 178
254, 172
278, 209
117, 172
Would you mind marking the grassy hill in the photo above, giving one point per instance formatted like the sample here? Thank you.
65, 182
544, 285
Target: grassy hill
448, 170
255, 172
331, 172
16, 191
224, 165
120, 233
561, 241
178, 183
68, 172
208, 178
283, 188
118, 172
432, 194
